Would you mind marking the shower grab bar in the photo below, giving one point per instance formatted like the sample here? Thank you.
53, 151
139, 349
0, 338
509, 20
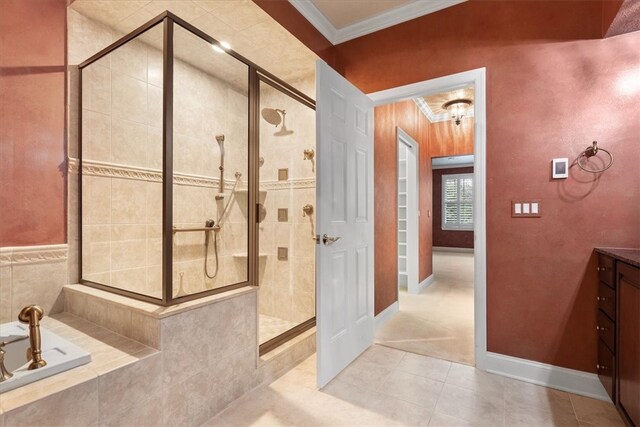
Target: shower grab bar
184, 230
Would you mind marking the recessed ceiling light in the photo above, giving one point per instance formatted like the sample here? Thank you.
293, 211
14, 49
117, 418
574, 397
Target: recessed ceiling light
221, 47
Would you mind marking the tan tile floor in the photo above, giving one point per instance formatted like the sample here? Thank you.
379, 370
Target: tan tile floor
437, 322
386, 386
270, 327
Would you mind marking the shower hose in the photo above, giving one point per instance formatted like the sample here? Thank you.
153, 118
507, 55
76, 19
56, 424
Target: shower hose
210, 223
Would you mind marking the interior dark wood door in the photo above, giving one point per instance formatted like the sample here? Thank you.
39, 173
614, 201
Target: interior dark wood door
629, 340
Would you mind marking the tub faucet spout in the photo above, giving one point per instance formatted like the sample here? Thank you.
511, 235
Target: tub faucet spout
4, 373
32, 315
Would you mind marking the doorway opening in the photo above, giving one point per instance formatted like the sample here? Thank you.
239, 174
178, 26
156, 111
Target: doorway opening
408, 166
446, 318
347, 273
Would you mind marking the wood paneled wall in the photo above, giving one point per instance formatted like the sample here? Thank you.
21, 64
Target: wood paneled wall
449, 139
387, 118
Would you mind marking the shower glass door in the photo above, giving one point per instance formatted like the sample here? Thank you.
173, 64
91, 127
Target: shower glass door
210, 166
286, 214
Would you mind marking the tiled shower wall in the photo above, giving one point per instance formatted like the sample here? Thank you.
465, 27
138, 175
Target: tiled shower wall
287, 286
122, 152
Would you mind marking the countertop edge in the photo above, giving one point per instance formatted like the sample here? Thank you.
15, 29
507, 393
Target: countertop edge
627, 255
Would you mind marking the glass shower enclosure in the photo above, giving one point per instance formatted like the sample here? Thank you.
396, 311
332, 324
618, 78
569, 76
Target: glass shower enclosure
178, 198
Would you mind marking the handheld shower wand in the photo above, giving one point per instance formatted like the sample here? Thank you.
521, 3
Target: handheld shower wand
220, 139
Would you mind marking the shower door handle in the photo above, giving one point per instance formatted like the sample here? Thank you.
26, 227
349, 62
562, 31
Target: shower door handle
329, 240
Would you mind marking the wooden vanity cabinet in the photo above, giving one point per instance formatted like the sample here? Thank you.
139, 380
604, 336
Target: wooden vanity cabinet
628, 286
618, 328
606, 325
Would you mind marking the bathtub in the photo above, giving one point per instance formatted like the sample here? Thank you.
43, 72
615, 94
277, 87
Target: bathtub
60, 355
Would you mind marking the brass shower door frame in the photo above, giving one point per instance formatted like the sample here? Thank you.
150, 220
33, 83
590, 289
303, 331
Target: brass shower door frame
255, 74
278, 340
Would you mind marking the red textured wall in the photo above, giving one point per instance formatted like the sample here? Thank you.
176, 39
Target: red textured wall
447, 238
552, 86
386, 119
610, 9
32, 122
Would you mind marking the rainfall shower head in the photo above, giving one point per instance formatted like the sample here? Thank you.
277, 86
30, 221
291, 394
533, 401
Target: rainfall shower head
275, 116
272, 115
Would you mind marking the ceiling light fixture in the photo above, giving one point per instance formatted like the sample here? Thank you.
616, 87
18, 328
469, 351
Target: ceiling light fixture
457, 109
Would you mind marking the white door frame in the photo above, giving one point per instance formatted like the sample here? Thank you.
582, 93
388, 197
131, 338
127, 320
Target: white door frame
477, 78
413, 253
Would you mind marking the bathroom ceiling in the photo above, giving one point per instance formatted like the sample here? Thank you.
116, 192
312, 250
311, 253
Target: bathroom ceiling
434, 103
344, 13
248, 29
340, 21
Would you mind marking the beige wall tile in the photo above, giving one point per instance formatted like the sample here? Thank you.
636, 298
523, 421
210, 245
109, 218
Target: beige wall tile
39, 284
96, 200
155, 70
154, 95
154, 147
146, 330
128, 201
76, 406
123, 389
131, 279
96, 89
128, 142
127, 254
96, 136
130, 59
144, 413
96, 257
6, 314
129, 98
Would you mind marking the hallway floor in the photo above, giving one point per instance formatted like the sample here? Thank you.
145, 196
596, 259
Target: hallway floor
438, 321
386, 386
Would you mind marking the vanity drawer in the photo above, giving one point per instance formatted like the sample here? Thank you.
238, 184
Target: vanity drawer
605, 368
607, 300
605, 270
606, 331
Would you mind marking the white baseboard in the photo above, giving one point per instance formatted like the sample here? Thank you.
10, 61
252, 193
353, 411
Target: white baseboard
386, 314
570, 380
446, 249
425, 283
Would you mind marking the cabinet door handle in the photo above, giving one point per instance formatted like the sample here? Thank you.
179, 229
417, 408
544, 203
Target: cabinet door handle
602, 268
601, 367
601, 298
600, 328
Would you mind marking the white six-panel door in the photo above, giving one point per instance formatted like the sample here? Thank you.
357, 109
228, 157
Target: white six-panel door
344, 267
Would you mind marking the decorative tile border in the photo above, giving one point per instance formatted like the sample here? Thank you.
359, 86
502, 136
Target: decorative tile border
288, 185
33, 254
113, 170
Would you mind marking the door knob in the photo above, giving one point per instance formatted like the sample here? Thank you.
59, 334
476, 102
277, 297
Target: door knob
329, 240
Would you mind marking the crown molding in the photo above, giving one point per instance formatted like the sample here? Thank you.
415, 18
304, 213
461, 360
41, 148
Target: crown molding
370, 25
316, 18
433, 118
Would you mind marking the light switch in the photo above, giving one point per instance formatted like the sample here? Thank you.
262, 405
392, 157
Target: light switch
525, 209
534, 208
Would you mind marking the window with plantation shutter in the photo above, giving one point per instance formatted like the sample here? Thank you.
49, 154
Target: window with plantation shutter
457, 202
